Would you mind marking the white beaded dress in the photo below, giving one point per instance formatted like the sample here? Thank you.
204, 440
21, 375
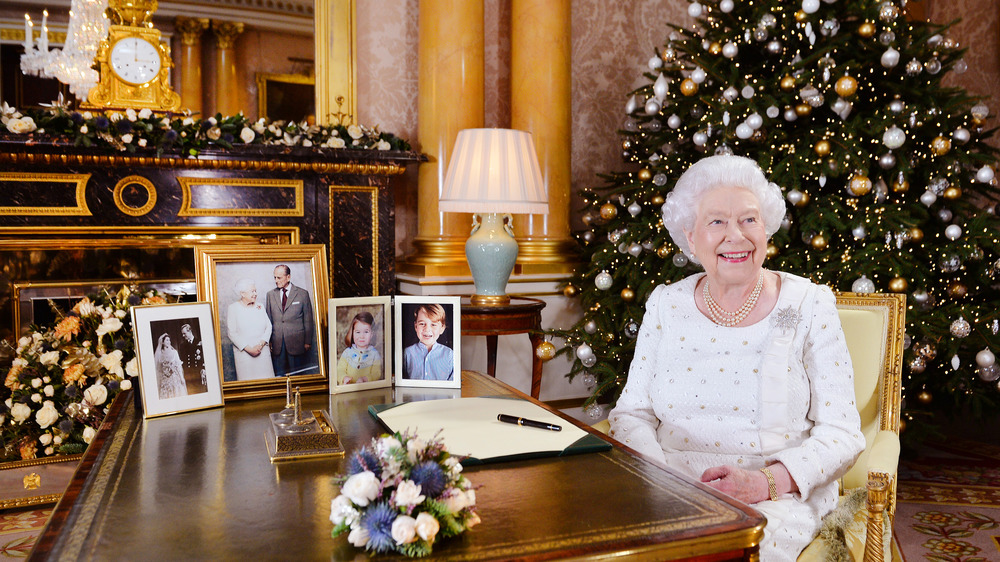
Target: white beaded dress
701, 395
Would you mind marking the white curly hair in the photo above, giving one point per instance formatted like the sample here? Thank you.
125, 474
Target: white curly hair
681, 206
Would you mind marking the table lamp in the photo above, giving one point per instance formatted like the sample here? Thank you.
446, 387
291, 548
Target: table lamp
493, 173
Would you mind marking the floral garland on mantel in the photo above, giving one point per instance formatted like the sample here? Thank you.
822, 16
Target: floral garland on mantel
64, 377
132, 130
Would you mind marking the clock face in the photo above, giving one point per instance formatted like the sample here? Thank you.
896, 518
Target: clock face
135, 60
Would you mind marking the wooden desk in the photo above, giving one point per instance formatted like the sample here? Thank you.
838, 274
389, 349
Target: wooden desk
199, 486
522, 315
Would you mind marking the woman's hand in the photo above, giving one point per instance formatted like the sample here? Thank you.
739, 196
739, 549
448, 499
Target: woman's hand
748, 486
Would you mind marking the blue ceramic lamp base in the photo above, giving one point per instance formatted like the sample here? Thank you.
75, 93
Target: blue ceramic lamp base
491, 251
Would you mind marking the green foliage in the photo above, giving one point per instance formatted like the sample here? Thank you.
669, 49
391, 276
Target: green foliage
809, 97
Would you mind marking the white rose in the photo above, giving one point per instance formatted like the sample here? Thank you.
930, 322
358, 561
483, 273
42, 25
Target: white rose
9, 403
36, 398
131, 369
342, 511
472, 521
165, 123
88, 115
247, 135
46, 379
187, 122
307, 143
427, 526
96, 394
109, 325
115, 117
336, 142
22, 343
383, 145
88, 434
45, 439
35, 383
84, 130
358, 536
21, 126
49, 358
212, 121
386, 444
57, 440
414, 448
127, 138
458, 501
19, 362
142, 142
404, 529
130, 113
214, 133
145, 113
113, 362
361, 488
47, 415
20, 412
126, 384
49, 450
354, 131
48, 390
408, 493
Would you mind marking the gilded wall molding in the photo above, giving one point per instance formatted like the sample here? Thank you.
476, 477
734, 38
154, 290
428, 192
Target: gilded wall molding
388, 168
189, 185
372, 192
130, 210
79, 209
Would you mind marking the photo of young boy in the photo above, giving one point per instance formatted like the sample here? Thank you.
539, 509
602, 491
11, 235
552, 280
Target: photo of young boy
428, 341
429, 359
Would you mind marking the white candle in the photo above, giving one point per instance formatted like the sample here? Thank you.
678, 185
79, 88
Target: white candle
43, 40
27, 33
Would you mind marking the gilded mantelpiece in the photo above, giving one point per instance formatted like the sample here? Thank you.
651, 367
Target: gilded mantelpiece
71, 213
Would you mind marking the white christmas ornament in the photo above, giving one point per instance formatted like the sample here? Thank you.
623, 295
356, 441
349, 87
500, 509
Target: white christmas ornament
655, 63
747, 92
960, 328
894, 137
730, 50
697, 75
928, 198
794, 196
694, 10
584, 351
634, 249
634, 208
652, 106
810, 6
699, 138
985, 358
859, 232
890, 58
730, 93
790, 115
744, 131
772, 111
755, 121
725, 118
955, 362
661, 87
863, 285
961, 135
631, 105
590, 361
674, 122
726, 6
953, 232
985, 174
603, 281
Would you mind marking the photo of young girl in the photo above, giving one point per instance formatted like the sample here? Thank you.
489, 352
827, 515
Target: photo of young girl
359, 343
360, 362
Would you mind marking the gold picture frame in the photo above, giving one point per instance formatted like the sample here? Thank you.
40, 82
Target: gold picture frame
240, 282
286, 97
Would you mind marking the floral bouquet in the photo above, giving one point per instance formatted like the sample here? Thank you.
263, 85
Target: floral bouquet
400, 494
63, 378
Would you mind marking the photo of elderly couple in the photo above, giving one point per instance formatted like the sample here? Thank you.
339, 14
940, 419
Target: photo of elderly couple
268, 320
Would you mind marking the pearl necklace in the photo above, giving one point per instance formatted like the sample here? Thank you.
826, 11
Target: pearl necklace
728, 319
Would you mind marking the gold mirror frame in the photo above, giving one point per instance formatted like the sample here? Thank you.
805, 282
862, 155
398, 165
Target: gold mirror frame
265, 79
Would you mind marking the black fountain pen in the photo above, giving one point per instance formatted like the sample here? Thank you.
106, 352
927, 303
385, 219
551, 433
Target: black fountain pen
528, 423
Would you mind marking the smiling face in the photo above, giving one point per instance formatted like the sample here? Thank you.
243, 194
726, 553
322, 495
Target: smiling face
428, 330
249, 295
728, 236
361, 335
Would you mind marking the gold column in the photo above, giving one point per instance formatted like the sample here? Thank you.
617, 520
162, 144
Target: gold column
336, 47
450, 98
190, 30
227, 92
540, 103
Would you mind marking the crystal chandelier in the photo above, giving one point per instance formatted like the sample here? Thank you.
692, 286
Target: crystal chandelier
71, 65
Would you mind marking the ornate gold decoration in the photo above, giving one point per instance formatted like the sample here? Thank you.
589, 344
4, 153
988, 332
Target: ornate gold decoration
125, 207
190, 29
32, 481
336, 60
189, 184
131, 21
226, 33
80, 180
372, 191
388, 168
16, 35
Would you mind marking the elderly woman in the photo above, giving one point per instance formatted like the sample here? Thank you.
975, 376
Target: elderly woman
249, 329
741, 376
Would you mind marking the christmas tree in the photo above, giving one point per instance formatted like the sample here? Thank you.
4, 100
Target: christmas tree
888, 178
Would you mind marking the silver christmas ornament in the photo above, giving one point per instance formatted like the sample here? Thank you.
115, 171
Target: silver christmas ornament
914, 67
859, 232
726, 6
890, 58
961, 135
953, 232
985, 358
594, 411
631, 105
928, 198
863, 285
932, 66
590, 327
698, 75
588, 236
893, 138
631, 329
755, 121
774, 46
744, 131
772, 111
944, 215
920, 296
661, 87
634, 249
790, 115
589, 361
674, 122
634, 208
694, 10
660, 179
655, 63
652, 106
794, 196
887, 160
960, 328
810, 6
989, 373
985, 174
680, 259
950, 263
603, 281
730, 50
589, 380
583, 351
886, 38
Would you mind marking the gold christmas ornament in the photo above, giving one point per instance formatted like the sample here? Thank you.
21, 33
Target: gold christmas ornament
801, 16
570, 291
924, 397
803, 201
859, 185
822, 148
916, 234
846, 86
898, 285
689, 87
772, 250
608, 211
900, 185
957, 289
803, 109
787, 83
663, 252
657, 200
545, 351
628, 294
715, 48
866, 30
952, 193
941, 145
645, 174
819, 242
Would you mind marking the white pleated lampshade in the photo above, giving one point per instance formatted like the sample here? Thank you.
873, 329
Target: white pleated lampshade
494, 171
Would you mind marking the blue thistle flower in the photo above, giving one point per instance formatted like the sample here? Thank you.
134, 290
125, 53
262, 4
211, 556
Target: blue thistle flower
134, 299
102, 122
66, 426
228, 137
362, 460
377, 520
124, 126
430, 477
72, 391
77, 117
112, 385
170, 136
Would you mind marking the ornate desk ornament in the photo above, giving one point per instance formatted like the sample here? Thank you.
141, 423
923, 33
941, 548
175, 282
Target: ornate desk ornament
301, 437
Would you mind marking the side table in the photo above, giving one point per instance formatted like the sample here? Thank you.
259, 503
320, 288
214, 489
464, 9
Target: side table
522, 315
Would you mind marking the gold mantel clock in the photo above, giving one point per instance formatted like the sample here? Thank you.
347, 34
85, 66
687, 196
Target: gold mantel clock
133, 64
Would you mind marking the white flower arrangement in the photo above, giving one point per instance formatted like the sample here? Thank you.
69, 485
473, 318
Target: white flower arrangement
401, 494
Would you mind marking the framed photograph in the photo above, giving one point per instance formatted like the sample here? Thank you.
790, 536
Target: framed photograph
178, 358
360, 343
271, 302
427, 342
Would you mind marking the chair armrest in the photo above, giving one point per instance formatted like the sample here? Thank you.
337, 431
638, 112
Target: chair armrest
884, 453
883, 462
